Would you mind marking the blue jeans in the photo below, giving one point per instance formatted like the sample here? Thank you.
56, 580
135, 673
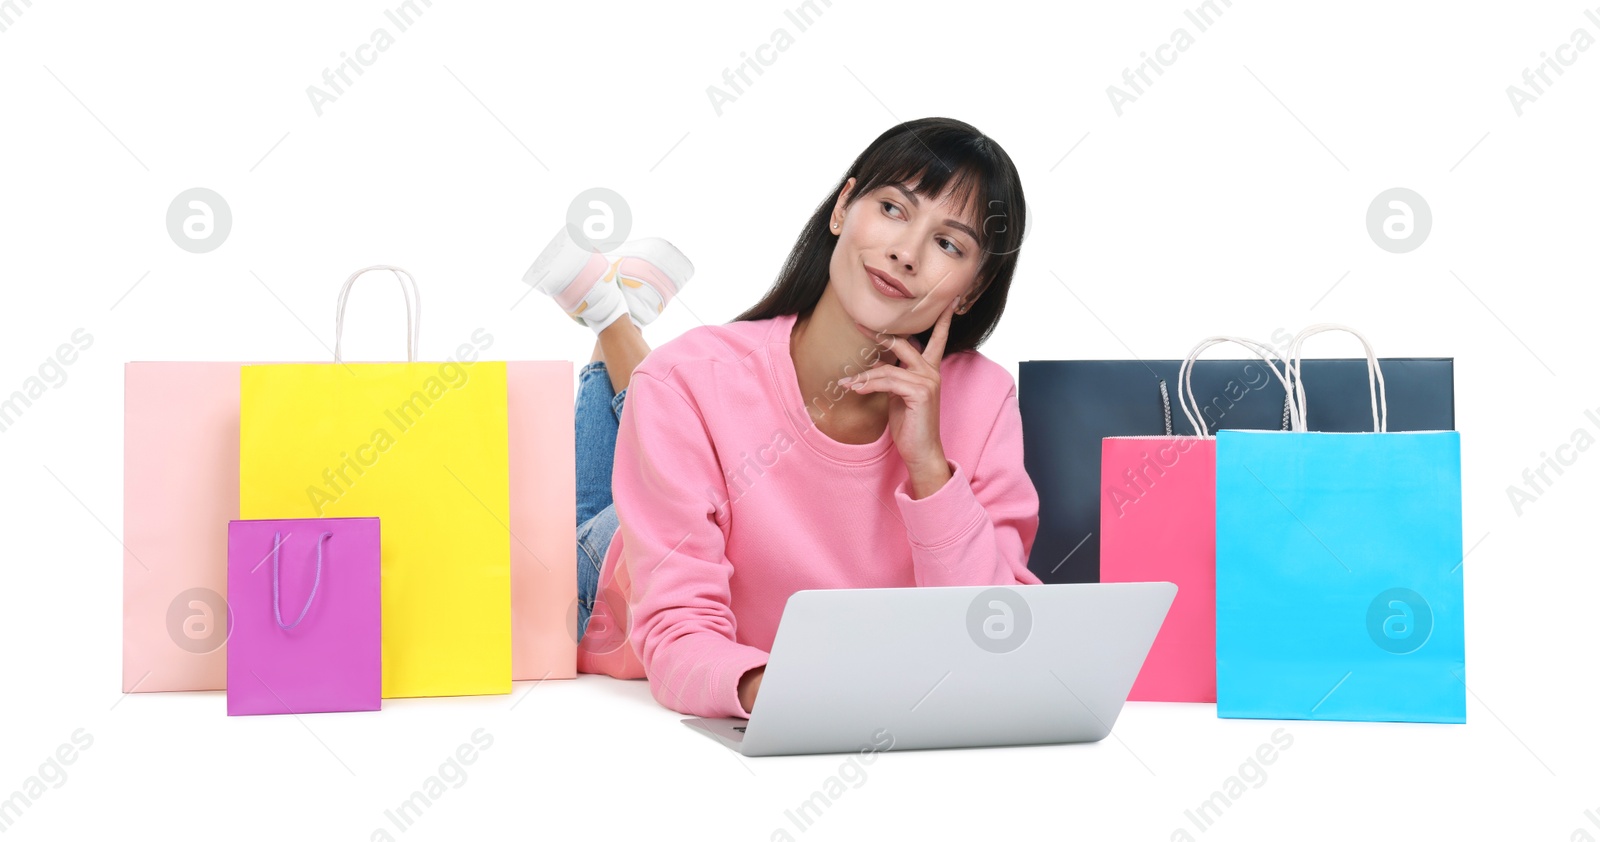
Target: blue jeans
596, 417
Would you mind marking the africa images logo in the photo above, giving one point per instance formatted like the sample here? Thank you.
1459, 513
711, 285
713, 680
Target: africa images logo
999, 620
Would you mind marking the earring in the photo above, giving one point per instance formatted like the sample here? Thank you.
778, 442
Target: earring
836, 225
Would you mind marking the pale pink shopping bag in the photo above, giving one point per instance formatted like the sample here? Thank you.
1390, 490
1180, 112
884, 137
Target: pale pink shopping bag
544, 514
1158, 524
180, 487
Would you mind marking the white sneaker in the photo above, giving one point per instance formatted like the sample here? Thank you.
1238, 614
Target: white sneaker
581, 281
651, 272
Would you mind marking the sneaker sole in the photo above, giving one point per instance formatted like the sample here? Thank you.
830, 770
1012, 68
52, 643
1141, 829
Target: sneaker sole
556, 266
671, 262
663, 254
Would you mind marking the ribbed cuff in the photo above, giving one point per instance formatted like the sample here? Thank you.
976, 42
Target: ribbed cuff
943, 516
731, 670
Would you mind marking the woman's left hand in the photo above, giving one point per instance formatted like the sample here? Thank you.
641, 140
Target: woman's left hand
914, 396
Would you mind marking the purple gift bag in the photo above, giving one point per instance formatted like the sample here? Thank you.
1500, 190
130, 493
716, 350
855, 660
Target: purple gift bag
304, 596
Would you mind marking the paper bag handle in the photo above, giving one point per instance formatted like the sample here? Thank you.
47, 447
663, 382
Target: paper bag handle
1166, 409
408, 287
1380, 399
1186, 397
276, 611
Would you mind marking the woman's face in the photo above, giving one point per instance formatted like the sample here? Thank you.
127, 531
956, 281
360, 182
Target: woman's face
925, 246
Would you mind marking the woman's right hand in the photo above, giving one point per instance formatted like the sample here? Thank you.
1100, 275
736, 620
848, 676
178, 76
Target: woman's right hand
749, 685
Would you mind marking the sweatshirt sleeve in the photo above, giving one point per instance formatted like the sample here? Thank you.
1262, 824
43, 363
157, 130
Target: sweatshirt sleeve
978, 528
665, 482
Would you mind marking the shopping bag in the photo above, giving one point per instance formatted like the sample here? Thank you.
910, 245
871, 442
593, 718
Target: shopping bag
1069, 406
1158, 524
180, 487
1339, 582
544, 513
424, 447
306, 635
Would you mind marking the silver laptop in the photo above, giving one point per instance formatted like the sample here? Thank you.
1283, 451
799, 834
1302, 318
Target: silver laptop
880, 669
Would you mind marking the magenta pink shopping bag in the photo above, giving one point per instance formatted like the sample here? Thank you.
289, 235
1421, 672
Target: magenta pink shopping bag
1158, 524
1158, 506
306, 606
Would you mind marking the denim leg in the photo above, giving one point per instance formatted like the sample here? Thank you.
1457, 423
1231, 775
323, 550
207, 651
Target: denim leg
594, 538
596, 418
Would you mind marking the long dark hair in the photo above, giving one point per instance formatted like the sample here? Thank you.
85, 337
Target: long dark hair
934, 152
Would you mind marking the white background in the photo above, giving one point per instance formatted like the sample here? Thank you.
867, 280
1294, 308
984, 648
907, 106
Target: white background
1229, 198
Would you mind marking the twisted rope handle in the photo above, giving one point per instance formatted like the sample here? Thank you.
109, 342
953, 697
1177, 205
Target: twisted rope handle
1166, 407
276, 611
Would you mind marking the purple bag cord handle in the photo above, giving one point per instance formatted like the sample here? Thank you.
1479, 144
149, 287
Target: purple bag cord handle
276, 612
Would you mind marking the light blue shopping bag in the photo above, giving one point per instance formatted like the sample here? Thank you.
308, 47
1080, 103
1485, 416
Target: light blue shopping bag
1339, 581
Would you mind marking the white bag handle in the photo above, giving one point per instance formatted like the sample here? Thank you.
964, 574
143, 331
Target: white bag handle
1380, 399
408, 287
1186, 397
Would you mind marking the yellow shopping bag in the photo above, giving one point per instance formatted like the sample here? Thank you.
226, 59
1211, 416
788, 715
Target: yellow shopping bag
423, 447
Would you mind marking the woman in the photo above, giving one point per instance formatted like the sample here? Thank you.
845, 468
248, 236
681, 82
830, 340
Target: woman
843, 432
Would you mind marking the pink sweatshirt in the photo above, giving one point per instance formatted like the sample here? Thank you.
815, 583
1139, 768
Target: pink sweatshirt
730, 499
